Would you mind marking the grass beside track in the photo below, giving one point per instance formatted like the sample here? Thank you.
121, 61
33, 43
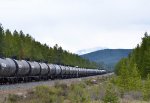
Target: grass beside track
90, 90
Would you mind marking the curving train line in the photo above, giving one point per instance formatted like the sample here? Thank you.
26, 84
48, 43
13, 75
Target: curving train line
16, 71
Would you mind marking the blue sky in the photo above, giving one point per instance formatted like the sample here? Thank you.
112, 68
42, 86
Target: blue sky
79, 24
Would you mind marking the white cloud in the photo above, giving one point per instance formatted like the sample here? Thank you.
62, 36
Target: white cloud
79, 24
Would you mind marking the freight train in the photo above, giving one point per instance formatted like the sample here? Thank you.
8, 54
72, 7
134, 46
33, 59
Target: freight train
15, 71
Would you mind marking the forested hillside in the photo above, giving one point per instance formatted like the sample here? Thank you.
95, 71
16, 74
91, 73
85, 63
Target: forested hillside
22, 46
108, 57
139, 58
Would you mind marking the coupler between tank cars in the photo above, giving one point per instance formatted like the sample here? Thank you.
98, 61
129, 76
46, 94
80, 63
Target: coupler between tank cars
26, 71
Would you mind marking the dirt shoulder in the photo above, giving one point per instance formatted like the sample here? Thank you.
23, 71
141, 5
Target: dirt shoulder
23, 88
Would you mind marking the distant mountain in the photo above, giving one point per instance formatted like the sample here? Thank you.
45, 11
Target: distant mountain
108, 57
85, 51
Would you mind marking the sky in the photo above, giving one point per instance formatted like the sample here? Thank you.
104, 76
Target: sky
79, 24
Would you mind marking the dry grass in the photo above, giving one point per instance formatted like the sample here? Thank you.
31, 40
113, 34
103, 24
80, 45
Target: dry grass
133, 101
91, 90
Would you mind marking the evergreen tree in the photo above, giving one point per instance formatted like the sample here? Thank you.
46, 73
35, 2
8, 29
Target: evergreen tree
1, 40
141, 57
128, 75
23, 46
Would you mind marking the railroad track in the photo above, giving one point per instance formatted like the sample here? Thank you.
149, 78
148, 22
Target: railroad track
23, 87
16, 71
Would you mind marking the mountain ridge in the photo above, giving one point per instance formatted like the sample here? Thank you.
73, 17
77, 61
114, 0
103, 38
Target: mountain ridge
107, 57
89, 50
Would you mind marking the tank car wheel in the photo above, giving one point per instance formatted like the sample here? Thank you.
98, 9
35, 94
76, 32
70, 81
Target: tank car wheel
26, 79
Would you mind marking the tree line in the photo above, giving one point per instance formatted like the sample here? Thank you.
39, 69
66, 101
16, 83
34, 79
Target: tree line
138, 60
133, 72
22, 46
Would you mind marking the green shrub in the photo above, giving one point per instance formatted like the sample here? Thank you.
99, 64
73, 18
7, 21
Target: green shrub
88, 82
95, 92
48, 94
12, 98
146, 89
60, 85
78, 94
63, 87
110, 95
128, 77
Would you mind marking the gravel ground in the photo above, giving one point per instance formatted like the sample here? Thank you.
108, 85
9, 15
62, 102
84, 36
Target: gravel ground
23, 87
